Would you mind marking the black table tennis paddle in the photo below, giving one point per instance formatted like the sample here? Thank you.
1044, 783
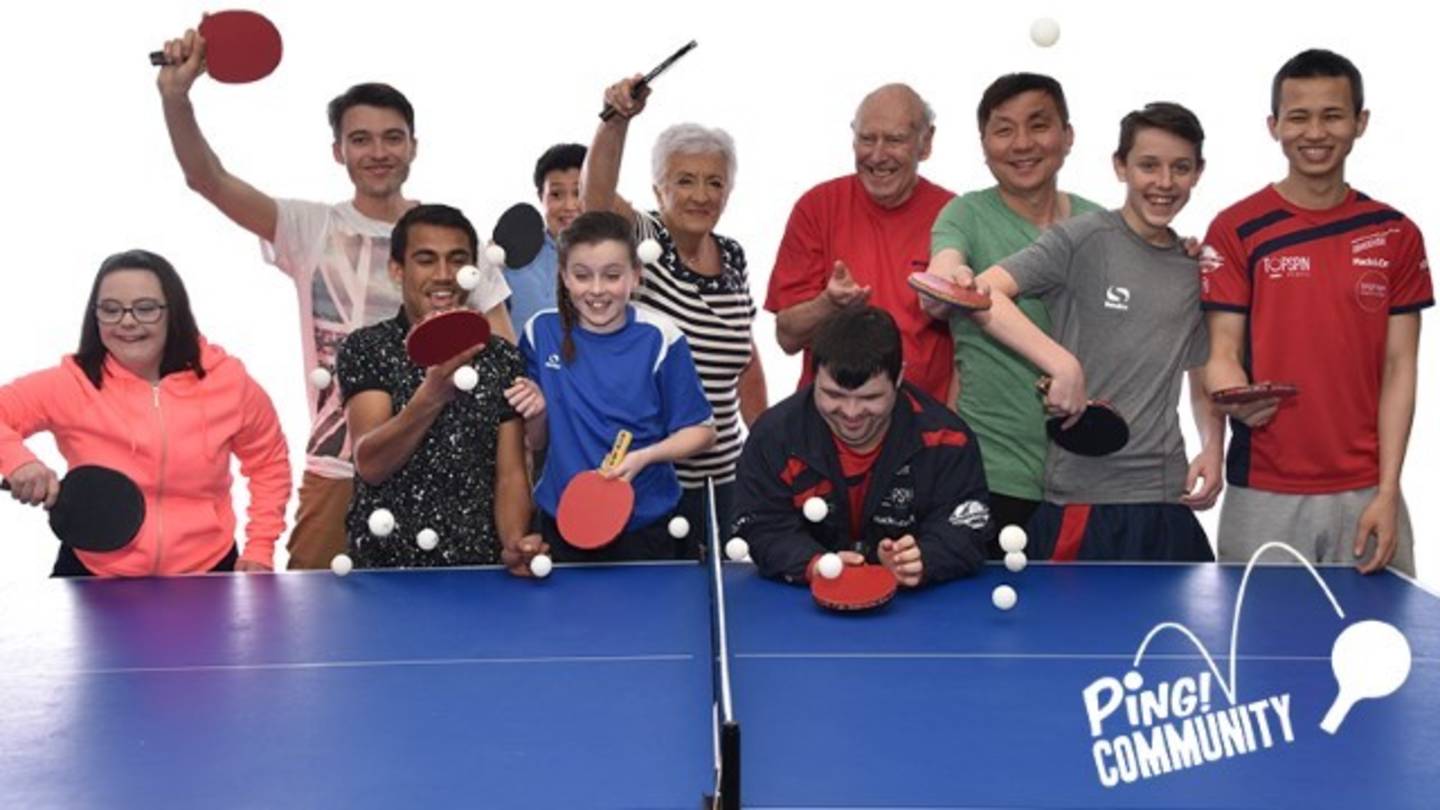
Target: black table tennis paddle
639, 87
521, 232
98, 509
1100, 431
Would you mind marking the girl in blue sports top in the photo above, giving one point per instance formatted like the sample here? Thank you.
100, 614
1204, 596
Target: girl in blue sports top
605, 365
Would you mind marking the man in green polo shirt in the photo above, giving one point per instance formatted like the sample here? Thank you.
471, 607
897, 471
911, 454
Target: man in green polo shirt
1025, 134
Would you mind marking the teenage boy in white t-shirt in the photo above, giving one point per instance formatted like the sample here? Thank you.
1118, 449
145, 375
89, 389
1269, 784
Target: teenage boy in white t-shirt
336, 254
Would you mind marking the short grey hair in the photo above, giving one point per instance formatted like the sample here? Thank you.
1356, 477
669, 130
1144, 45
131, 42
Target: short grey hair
927, 113
692, 139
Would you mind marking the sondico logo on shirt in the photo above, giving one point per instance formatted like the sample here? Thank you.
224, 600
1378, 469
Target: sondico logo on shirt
553, 362
1117, 298
1373, 240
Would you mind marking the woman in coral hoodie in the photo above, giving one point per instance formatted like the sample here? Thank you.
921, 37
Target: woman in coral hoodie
146, 395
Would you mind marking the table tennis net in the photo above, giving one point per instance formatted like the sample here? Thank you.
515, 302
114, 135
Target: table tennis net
727, 729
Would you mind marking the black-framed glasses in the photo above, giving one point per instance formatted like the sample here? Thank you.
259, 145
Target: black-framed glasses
146, 310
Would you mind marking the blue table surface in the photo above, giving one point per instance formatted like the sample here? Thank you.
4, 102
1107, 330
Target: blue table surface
940, 700
459, 688
468, 688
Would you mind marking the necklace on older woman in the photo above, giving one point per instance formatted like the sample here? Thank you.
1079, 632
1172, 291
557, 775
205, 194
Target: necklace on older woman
702, 261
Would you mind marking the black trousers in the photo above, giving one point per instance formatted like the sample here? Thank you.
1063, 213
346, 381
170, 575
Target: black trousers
1007, 511
69, 565
652, 542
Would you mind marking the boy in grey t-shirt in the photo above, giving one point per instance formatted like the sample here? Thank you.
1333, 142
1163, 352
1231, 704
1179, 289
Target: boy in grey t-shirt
1125, 304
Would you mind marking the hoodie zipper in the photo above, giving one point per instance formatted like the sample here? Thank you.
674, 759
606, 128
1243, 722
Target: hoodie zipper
160, 481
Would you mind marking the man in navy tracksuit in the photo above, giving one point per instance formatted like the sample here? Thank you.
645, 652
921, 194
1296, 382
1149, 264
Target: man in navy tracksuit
899, 474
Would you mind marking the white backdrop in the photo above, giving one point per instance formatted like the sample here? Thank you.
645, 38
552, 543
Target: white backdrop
92, 173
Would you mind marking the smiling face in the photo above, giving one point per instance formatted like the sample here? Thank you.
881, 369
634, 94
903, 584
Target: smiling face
560, 195
1025, 142
694, 193
434, 254
1317, 126
890, 140
599, 278
860, 416
1158, 172
133, 320
376, 149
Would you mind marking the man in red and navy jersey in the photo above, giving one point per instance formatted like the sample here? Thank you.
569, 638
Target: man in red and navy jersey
1311, 282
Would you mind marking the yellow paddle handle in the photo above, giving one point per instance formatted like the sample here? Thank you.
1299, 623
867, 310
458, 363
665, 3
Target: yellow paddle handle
617, 451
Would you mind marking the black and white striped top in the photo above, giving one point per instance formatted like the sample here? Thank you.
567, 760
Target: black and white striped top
715, 313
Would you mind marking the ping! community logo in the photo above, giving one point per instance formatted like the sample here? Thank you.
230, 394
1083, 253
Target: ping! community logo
1142, 731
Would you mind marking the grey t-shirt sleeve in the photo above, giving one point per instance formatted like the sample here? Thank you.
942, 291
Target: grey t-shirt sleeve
1042, 266
1197, 351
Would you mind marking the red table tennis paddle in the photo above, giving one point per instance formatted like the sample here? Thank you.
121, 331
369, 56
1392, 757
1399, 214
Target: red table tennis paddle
98, 509
440, 337
943, 289
594, 509
610, 112
240, 47
859, 587
1100, 431
521, 231
1242, 394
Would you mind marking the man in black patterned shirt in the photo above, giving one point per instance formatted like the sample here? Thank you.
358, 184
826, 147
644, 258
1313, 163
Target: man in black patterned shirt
437, 458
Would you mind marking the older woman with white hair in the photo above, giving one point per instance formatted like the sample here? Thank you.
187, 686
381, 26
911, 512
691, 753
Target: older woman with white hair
698, 280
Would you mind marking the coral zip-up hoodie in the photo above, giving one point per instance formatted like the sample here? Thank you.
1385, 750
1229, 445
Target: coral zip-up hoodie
174, 438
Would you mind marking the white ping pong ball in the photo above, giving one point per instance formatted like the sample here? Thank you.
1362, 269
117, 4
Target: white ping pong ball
649, 251
382, 522
737, 549
1015, 561
1004, 597
427, 539
1012, 538
540, 565
815, 509
829, 566
341, 564
321, 378
1044, 32
495, 254
466, 378
468, 278
679, 527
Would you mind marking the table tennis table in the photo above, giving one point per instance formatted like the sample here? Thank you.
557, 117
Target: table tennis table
438, 688
597, 688
941, 700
